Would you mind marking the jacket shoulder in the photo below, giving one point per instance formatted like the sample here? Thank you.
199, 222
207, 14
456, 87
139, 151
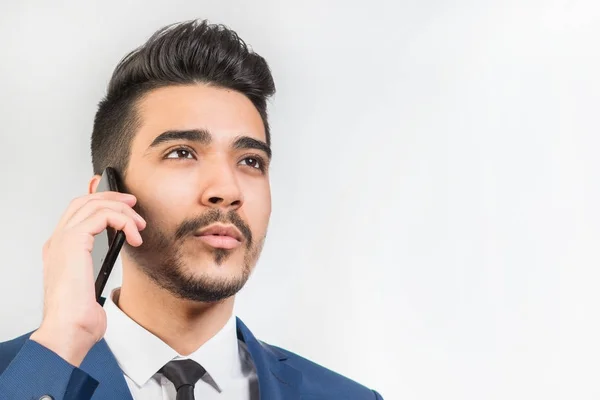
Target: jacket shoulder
322, 380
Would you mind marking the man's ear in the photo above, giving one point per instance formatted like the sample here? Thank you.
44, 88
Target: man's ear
94, 184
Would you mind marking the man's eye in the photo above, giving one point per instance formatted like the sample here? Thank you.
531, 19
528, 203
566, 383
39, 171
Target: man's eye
180, 153
253, 162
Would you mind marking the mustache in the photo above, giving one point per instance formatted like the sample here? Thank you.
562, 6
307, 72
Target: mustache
190, 226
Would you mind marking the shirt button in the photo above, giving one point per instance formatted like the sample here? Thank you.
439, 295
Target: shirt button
46, 397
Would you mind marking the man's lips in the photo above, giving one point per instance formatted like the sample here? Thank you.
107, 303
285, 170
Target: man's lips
220, 242
221, 236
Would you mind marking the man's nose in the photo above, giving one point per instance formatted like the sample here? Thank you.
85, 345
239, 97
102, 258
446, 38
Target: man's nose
222, 189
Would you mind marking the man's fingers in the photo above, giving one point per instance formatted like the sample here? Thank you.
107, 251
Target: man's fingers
100, 219
93, 205
79, 202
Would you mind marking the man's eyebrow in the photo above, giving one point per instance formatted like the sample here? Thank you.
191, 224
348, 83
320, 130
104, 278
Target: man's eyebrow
193, 135
246, 142
204, 137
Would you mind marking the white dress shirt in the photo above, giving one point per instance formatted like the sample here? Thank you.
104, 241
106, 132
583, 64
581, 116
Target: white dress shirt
230, 372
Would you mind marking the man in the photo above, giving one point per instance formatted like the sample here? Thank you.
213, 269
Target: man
184, 123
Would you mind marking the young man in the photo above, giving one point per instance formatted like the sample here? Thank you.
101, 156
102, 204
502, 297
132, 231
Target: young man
184, 123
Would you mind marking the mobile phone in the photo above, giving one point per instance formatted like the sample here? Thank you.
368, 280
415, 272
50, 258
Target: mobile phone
107, 244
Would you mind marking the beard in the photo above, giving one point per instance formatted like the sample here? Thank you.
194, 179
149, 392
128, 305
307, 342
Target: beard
162, 258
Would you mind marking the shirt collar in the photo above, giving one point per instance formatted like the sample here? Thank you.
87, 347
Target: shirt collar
140, 354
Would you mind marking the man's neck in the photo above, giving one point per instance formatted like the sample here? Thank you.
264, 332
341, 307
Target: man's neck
184, 325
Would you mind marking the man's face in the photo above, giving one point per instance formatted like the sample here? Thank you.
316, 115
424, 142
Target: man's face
199, 160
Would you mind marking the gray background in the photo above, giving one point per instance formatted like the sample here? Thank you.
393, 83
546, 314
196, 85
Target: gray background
435, 182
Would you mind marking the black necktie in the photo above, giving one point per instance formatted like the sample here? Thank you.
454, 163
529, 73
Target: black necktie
184, 374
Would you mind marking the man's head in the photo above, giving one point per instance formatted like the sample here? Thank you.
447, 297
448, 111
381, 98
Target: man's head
184, 123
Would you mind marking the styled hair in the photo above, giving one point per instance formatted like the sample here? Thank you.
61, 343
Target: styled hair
184, 53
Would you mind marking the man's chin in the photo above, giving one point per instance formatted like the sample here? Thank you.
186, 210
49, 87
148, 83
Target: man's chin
217, 269
207, 287
206, 281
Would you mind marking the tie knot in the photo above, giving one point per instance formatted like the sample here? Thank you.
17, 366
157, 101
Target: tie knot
183, 372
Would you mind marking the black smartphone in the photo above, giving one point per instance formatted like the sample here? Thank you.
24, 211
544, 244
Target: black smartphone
107, 244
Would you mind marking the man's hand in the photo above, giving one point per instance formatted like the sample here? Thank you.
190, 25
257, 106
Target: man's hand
73, 321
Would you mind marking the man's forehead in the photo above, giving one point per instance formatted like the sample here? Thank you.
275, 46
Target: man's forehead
224, 114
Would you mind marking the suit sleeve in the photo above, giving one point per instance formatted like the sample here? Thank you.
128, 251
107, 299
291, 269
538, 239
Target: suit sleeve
377, 395
37, 371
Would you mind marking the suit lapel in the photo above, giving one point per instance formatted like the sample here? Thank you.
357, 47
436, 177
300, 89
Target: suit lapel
101, 364
276, 379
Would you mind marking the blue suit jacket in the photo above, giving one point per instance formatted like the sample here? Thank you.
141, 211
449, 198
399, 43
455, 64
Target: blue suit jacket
29, 371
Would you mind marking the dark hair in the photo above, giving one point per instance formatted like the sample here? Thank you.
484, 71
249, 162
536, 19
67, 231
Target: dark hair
183, 53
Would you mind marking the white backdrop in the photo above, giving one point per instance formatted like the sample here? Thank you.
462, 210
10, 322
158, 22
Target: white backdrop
435, 180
